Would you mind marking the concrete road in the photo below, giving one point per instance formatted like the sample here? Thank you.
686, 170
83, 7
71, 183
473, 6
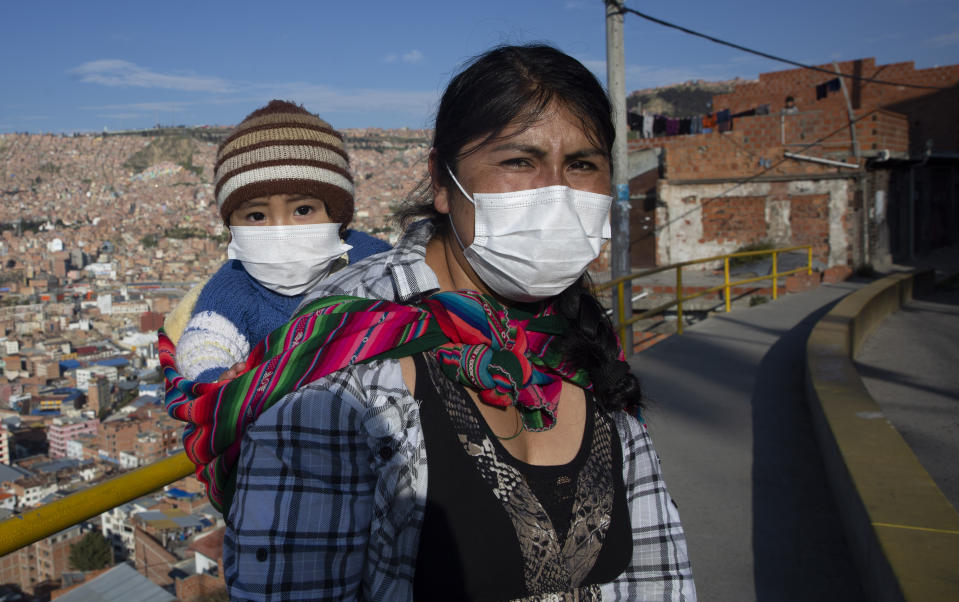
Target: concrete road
727, 413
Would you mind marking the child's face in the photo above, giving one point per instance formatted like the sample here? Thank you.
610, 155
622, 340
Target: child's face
280, 210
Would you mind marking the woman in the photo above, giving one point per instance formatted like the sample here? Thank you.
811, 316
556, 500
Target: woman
391, 480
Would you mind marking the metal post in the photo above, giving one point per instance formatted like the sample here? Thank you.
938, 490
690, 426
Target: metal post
726, 281
619, 215
775, 277
679, 299
860, 181
911, 215
849, 112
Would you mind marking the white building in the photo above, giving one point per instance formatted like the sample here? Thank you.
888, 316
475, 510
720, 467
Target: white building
4, 446
128, 460
105, 304
118, 527
86, 376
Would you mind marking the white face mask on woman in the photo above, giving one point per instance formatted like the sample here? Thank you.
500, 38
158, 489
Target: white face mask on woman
287, 259
533, 244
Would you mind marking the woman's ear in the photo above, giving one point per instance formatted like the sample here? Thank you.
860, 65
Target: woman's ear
441, 191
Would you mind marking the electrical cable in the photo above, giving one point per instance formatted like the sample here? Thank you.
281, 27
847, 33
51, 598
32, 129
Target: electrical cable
766, 55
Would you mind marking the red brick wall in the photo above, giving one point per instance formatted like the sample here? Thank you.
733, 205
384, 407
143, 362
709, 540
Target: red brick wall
151, 558
734, 219
930, 113
195, 586
801, 84
899, 119
809, 222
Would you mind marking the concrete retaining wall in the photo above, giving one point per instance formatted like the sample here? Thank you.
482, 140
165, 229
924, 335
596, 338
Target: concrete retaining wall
901, 529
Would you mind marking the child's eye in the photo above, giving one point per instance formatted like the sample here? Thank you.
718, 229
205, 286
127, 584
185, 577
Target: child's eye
303, 210
255, 216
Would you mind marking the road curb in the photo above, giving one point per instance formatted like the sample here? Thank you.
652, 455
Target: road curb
901, 529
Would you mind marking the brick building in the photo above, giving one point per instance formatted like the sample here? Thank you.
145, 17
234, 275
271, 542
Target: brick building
63, 430
864, 172
40, 562
117, 436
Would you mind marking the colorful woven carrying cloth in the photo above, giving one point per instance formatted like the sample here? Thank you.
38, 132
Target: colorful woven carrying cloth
509, 358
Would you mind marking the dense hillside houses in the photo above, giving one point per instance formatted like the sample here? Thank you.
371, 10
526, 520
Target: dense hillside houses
101, 235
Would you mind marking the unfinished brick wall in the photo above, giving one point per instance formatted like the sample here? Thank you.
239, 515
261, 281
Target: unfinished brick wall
775, 86
151, 559
809, 222
931, 114
734, 219
701, 220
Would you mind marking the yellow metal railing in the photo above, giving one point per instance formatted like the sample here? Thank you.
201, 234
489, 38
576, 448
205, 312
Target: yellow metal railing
24, 529
621, 284
34, 525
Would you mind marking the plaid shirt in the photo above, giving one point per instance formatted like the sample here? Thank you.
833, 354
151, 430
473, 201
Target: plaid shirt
331, 481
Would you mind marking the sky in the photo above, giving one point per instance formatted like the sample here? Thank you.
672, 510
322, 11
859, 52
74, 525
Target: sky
83, 66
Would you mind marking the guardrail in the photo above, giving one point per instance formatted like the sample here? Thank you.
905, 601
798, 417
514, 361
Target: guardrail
620, 284
24, 529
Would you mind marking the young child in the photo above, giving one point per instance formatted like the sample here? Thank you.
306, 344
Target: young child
284, 188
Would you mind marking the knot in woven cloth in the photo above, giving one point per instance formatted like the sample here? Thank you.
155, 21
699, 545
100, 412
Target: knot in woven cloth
490, 353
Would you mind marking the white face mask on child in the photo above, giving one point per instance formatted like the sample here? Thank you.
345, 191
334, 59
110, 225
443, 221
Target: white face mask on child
533, 244
288, 260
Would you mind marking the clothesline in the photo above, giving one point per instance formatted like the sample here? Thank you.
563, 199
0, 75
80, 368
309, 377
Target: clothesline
650, 125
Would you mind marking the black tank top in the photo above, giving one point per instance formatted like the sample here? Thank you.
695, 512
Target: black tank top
496, 528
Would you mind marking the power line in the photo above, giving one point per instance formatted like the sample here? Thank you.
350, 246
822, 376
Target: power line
773, 57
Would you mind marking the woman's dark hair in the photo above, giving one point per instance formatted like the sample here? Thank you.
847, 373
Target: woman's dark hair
511, 85
505, 86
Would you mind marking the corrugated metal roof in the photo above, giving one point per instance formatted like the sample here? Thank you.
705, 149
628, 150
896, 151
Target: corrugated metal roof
120, 584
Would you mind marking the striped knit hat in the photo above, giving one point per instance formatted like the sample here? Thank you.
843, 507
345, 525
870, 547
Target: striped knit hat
284, 149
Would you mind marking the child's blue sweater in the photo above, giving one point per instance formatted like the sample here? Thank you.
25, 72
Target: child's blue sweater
234, 312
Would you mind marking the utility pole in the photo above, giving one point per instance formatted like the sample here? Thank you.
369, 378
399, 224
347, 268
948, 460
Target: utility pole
861, 178
619, 215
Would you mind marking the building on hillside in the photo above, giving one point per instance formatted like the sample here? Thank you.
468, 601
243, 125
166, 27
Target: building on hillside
86, 376
117, 526
29, 491
150, 321
161, 543
116, 436
207, 581
4, 446
40, 563
862, 171
99, 394
64, 430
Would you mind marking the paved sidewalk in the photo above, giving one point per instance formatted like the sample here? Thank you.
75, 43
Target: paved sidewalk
910, 366
728, 415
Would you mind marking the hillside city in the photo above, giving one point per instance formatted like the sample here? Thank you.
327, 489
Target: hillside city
102, 234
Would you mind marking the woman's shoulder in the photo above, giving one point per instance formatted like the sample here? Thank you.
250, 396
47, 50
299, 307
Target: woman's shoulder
370, 398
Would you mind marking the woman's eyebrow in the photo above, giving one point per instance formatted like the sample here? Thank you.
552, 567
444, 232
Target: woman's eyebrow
519, 146
539, 152
585, 153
